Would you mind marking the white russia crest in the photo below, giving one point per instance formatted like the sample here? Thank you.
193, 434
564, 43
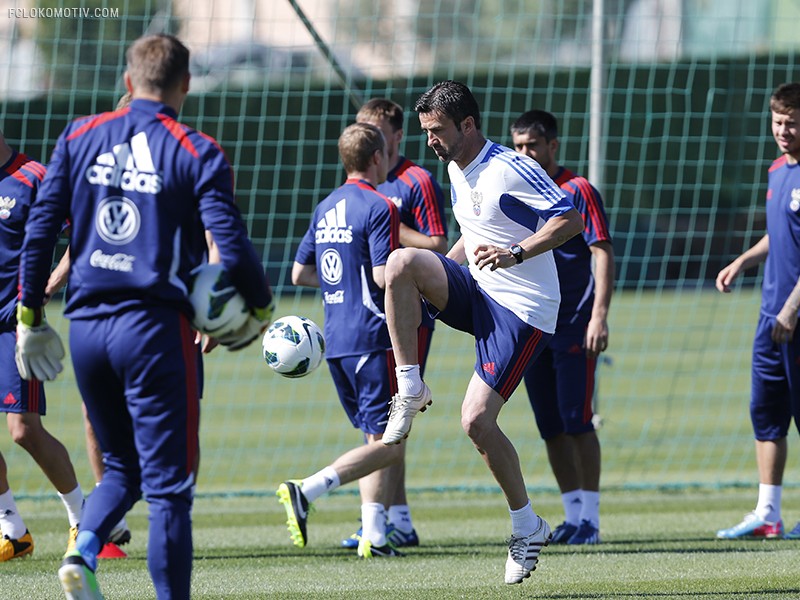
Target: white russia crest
477, 199
6, 204
794, 203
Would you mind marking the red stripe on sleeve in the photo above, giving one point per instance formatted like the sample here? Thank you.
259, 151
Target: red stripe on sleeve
97, 121
179, 133
14, 170
428, 196
777, 164
593, 208
34, 168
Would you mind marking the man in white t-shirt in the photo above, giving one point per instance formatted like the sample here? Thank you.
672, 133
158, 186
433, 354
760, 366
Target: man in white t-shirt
511, 216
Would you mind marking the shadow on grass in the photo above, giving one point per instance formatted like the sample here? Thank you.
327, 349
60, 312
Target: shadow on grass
616, 547
789, 593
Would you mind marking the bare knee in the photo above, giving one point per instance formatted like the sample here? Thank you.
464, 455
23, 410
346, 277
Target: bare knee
404, 262
22, 433
27, 431
477, 427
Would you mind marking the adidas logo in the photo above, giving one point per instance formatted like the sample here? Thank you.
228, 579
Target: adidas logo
129, 166
488, 368
333, 228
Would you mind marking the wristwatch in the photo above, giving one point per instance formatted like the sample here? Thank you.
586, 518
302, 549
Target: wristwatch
517, 253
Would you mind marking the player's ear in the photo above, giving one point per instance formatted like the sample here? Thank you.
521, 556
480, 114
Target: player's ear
128, 85
185, 83
468, 124
554, 146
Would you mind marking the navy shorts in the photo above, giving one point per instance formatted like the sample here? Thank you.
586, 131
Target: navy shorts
18, 395
775, 383
365, 384
137, 374
505, 346
560, 387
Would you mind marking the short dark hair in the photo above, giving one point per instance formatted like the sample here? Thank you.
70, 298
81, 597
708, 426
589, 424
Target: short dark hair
539, 122
785, 98
357, 144
157, 63
452, 99
382, 108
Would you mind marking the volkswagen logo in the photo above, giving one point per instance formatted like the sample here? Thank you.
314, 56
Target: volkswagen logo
117, 220
330, 266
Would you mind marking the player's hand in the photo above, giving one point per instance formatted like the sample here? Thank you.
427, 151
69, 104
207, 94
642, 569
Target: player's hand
206, 342
256, 324
39, 350
493, 257
596, 339
785, 324
726, 277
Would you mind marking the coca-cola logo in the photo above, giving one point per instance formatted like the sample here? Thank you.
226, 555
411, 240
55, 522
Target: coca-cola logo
112, 262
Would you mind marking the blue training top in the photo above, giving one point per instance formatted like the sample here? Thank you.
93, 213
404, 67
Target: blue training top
573, 257
782, 268
19, 180
354, 229
138, 188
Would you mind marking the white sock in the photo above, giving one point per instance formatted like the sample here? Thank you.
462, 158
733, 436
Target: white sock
400, 517
373, 523
11, 523
409, 382
591, 508
523, 521
573, 505
73, 501
320, 483
769, 502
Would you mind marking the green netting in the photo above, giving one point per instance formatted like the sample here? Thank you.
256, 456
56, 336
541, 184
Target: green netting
683, 159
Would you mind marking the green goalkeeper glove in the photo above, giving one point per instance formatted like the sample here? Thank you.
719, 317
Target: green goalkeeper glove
257, 322
39, 350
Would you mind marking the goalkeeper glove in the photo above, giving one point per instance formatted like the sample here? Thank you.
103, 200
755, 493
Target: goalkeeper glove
39, 350
257, 322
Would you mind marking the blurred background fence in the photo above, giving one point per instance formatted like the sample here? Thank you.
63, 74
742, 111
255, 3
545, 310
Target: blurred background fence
680, 153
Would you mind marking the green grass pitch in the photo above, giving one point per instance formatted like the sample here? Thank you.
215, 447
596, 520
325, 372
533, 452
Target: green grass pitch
677, 457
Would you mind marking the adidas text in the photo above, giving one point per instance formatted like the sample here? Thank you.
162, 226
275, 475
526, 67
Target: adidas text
130, 181
331, 235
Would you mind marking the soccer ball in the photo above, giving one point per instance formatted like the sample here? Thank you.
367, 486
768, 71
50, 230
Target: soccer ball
293, 346
219, 309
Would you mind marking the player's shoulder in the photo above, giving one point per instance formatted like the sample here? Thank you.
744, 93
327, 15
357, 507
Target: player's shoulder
193, 141
80, 126
24, 169
32, 169
577, 184
509, 162
778, 163
384, 203
508, 166
410, 168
